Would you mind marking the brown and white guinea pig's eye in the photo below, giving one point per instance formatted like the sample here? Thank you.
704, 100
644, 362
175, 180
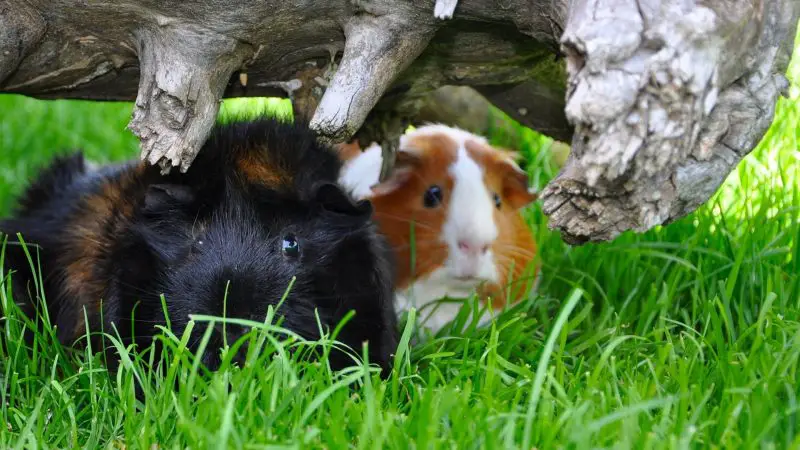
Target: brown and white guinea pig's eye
289, 246
497, 201
432, 197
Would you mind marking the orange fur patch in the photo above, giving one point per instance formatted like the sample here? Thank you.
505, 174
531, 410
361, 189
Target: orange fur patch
398, 208
348, 151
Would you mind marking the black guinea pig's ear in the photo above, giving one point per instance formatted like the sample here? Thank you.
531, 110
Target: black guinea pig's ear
331, 197
160, 196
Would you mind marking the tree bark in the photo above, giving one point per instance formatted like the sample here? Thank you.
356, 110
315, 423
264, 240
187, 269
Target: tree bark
664, 96
335, 59
667, 96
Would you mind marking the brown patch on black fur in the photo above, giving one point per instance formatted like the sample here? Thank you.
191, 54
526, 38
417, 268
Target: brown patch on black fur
90, 238
348, 150
257, 169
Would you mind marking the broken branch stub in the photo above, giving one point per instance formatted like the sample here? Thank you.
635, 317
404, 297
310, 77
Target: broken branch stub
382, 39
650, 92
184, 71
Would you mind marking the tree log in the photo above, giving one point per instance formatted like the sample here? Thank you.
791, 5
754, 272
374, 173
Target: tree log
664, 96
335, 59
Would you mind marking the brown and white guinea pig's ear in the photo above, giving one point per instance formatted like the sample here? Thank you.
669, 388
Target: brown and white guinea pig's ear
515, 185
348, 150
406, 162
332, 198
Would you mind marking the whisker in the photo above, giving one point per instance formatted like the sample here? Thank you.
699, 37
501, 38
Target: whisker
506, 264
419, 244
515, 249
515, 256
138, 289
516, 260
406, 220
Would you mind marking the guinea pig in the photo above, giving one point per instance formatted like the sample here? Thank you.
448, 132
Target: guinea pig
259, 206
451, 211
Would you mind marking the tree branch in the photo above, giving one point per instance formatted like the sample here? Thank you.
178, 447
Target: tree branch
179, 89
381, 41
179, 58
534, 105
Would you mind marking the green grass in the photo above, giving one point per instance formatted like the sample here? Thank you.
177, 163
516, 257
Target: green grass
687, 336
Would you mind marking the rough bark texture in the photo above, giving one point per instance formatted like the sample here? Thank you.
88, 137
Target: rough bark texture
667, 96
335, 59
179, 94
664, 96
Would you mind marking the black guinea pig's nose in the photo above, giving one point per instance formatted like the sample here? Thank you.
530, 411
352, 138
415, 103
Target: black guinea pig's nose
234, 287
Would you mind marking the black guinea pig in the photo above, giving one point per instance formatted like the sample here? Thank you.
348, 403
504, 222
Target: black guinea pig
259, 206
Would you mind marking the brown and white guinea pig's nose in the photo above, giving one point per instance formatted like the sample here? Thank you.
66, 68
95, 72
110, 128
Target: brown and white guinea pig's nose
470, 228
473, 248
471, 258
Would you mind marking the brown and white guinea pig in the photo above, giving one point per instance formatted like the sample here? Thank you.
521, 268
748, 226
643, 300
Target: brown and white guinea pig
259, 206
463, 197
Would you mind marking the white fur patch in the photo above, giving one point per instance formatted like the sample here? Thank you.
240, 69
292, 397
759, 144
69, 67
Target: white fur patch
457, 134
362, 172
470, 218
437, 285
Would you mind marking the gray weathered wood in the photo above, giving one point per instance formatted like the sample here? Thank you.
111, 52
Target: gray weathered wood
179, 92
21, 28
665, 96
178, 58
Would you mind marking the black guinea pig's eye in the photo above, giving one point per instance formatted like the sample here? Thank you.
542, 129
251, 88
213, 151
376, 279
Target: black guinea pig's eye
497, 201
289, 246
432, 197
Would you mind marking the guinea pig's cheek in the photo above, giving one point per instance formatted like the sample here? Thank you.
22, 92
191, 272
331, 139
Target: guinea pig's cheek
492, 268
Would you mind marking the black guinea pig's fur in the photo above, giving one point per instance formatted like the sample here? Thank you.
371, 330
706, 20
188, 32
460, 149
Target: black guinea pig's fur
113, 240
